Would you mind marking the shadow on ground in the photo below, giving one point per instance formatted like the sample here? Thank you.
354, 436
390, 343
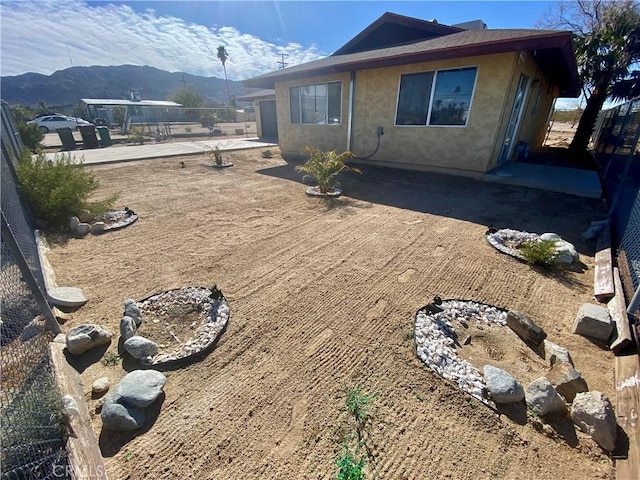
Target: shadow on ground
503, 206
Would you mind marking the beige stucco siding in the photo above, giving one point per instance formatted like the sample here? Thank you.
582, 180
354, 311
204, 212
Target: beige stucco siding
256, 105
294, 137
466, 150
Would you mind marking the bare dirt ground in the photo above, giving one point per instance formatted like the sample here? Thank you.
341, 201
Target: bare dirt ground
322, 297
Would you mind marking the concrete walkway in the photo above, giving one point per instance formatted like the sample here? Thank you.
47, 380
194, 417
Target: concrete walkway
128, 153
582, 183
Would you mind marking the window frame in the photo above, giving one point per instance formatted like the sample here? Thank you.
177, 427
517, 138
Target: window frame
431, 96
300, 88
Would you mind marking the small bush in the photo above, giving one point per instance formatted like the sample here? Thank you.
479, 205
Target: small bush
58, 189
324, 167
349, 466
539, 252
358, 403
136, 135
187, 129
31, 136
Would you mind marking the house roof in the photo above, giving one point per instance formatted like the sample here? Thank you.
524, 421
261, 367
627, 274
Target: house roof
138, 103
553, 50
393, 29
266, 94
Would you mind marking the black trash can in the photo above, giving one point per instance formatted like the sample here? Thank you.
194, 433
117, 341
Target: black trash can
66, 137
105, 138
88, 134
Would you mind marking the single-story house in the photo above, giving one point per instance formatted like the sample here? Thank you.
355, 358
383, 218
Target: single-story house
417, 94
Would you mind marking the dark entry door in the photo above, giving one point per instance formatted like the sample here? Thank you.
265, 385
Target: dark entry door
268, 119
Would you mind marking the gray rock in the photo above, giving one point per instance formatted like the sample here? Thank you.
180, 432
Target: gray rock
555, 353
139, 347
525, 328
100, 386
593, 413
85, 337
73, 223
86, 216
131, 310
566, 380
70, 297
567, 253
119, 418
127, 328
124, 407
542, 398
503, 387
83, 229
139, 388
98, 228
593, 321
554, 237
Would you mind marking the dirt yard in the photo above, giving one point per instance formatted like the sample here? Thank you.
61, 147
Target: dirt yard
322, 297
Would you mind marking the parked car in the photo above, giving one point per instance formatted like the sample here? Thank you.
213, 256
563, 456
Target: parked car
51, 123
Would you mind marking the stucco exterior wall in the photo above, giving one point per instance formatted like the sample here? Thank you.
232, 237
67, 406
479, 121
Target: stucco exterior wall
294, 137
256, 105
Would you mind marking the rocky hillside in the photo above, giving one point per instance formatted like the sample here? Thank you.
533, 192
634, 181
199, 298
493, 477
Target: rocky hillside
68, 86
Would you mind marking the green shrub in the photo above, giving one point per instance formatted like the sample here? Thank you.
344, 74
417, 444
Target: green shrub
324, 167
136, 135
539, 252
31, 136
58, 189
349, 466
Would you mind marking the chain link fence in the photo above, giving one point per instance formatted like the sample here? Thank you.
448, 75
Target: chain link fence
32, 425
616, 148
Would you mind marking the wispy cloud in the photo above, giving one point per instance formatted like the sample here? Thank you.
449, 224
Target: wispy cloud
41, 36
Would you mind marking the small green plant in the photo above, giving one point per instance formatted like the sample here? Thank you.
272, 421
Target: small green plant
216, 154
358, 403
31, 136
539, 252
187, 129
136, 135
349, 464
324, 167
110, 359
409, 335
58, 189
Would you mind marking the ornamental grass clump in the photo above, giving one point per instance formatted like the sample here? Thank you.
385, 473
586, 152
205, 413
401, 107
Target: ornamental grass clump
539, 252
324, 168
58, 189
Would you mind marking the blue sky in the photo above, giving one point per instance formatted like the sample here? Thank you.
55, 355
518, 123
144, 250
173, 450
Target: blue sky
48, 35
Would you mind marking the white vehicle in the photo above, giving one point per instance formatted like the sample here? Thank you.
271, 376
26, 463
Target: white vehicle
50, 123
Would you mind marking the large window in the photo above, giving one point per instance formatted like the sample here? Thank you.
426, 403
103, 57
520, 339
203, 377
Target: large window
436, 98
316, 104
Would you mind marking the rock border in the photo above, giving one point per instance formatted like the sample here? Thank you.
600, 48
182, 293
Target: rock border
496, 238
214, 316
130, 218
314, 191
223, 165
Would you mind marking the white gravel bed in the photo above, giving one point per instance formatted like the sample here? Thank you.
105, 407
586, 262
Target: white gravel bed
507, 240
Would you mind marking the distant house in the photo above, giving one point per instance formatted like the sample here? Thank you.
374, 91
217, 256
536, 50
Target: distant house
416, 94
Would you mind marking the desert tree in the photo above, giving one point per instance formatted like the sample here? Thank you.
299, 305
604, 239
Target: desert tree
223, 56
607, 45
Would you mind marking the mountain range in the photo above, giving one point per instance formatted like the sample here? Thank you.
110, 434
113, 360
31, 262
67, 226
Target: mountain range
68, 86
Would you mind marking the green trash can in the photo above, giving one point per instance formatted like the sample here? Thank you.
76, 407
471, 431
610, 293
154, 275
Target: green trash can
66, 137
105, 138
88, 134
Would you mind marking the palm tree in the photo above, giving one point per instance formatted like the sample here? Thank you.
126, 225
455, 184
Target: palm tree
607, 45
223, 56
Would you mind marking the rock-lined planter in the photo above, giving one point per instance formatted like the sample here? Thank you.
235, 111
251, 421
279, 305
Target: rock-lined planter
224, 164
509, 241
175, 325
434, 337
107, 222
315, 192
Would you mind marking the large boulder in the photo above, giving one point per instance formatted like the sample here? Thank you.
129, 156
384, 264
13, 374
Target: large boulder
525, 328
140, 348
566, 380
593, 413
593, 321
124, 407
502, 387
85, 337
542, 398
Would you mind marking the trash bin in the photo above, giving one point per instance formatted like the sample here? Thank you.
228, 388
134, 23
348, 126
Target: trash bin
66, 137
88, 134
105, 138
